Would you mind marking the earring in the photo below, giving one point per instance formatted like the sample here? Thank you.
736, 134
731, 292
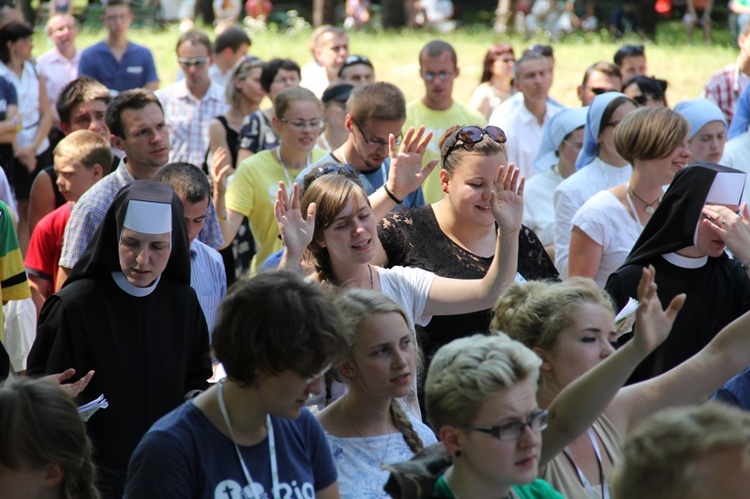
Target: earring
458, 453
445, 188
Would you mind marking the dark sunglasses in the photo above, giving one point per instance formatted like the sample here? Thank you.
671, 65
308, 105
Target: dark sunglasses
335, 169
600, 91
470, 135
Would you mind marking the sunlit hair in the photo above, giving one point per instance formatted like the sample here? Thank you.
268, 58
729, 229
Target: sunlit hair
355, 306
485, 147
650, 133
276, 321
195, 37
493, 54
536, 313
466, 371
315, 40
436, 48
187, 180
605, 68
331, 194
39, 425
288, 96
135, 99
666, 455
239, 73
376, 101
526, 57
86, 148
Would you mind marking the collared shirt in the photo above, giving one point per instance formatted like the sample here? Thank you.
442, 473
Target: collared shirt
188, 119
523, 131
724, 88
88, 214
27, 88
208, 279
136, 69
58, 71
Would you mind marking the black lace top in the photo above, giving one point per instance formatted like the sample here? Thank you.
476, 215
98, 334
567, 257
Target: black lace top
412, 238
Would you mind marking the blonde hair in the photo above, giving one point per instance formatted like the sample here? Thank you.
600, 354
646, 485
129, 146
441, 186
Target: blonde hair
330, 193
288, 96
536, 313
86, 148
466, 371
240, 72
665, 455
652, 132
355, 306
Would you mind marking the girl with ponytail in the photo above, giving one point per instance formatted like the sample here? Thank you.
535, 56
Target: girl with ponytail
367, 428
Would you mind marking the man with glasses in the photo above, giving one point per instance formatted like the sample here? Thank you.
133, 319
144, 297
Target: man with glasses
190, 104
374, 111
632, 61
438, 110
116, 62
523, 116
599, 78
726, 85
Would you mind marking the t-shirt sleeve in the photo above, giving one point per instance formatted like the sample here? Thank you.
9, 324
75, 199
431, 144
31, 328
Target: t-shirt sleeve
9, 91
160, 467
320, 454
40, 256
13, 280
411, 288
592, 221
240, 193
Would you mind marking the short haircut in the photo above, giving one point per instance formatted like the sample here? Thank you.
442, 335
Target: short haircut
276, 321
467, 371
87, 148
40, 424
485, 147
286, 97
187, 180
316, 36
59, 15
82, 89
271, 69
137, 98
12, 32
493, 54
376, 101
605, 68
436, 48
195, 37
526, 57
628, 51
116, 3
650, 87
665, 456
536, 314
652, 132
240, 72
232, 37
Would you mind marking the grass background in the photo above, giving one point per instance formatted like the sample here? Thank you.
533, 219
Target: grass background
685, 66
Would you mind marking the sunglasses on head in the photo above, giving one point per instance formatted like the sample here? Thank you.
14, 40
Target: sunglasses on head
545, 50
470, 135
345, 170
356, 59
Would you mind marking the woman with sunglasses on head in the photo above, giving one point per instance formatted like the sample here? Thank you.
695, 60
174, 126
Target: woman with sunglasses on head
496, 83
367, 429
298, 120
655, 141
599, 166
257, 132
454, 237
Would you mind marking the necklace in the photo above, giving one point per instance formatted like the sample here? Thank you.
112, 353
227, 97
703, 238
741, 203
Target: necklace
367, 441
650, 207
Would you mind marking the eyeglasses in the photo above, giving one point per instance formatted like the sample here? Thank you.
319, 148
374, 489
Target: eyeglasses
197, 62
537, 422
345, 170
376, 142
600, 91
472, 134
442, 75
316, 124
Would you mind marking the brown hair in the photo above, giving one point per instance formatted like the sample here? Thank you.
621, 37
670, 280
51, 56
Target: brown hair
87, 148
286, 97
652, 132
485, 147
81, 90
376, 101
493, 54
137, 98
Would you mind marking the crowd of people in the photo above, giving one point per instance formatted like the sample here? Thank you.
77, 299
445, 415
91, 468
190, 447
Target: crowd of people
345, 294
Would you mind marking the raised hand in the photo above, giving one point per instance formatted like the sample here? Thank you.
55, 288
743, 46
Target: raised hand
506, 200
407, 174
220, 169
652, 323
733, 229
296, 230
72, 389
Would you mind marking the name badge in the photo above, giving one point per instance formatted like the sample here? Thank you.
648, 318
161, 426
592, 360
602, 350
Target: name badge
134, 69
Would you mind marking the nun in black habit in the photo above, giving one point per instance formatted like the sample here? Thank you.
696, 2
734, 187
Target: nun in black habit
687, 250
127, 311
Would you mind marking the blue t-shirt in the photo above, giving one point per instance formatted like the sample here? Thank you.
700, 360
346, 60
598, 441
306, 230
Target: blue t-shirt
8, 97
185, 455
134, 70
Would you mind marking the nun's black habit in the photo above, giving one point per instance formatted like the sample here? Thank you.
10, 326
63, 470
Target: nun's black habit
147, 351
718, 291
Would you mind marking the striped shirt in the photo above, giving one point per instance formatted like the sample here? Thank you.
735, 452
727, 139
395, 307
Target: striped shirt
208, 279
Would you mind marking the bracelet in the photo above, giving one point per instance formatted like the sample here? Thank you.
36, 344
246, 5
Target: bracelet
391, 195
222, 219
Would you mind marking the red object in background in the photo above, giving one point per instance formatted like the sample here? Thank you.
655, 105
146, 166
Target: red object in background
663, 8
258, 8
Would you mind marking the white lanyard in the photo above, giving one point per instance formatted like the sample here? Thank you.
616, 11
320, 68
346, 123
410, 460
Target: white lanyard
271, 448
632, 206
284, 169
603, 484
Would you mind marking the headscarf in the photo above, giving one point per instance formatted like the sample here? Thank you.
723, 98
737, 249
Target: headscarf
590, 149
672, 226
700, 112
102, 253
555, 130
741, 119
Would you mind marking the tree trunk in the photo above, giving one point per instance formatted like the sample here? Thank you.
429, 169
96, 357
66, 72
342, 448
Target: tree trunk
647, 17
505, 16
393, 12
323, 12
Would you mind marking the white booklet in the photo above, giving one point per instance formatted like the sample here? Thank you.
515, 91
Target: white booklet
88, 410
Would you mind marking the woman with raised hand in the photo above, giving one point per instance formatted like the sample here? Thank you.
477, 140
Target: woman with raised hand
367, 429
655, 141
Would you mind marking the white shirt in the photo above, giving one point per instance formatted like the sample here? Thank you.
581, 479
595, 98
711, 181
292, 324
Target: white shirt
523, 131
27, 88
572, 193
538, 210
314, 78
736, 154
57, 71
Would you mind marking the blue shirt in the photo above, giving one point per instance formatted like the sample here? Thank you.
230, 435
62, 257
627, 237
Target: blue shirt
134, 70
8, 97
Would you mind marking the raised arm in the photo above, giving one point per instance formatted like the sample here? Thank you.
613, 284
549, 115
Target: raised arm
578, 405
229, 220
296, 231
461, 296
